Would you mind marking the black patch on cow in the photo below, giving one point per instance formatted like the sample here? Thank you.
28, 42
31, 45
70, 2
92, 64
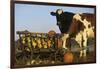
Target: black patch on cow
64, 21
80, 26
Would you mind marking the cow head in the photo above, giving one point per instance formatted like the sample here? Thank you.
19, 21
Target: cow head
58, 12
59, 18
64, 19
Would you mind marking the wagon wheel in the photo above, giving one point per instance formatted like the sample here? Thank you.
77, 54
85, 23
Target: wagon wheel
56, 53
21, 58
59, 55
51, 56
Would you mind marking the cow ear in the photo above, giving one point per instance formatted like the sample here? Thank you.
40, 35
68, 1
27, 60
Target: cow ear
53, 13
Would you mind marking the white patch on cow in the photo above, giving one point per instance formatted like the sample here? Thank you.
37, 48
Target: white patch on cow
79, 36
90, 32
77, 17
60, 11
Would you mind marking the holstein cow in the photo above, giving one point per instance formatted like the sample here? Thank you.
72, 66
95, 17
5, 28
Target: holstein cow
77, 26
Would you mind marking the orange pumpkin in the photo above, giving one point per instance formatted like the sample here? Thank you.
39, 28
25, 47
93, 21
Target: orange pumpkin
68, 57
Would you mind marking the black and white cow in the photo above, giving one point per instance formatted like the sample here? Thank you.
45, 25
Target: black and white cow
77, 26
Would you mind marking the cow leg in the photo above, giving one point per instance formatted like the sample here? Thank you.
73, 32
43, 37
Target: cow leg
77, 17
64, 40
81, 44
64, 44
81, 52
85, 43
85, 46
79, 39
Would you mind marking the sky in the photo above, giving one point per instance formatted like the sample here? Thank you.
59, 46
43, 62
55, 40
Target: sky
37, 18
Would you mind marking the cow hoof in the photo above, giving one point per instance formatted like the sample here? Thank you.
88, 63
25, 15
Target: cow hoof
65, 48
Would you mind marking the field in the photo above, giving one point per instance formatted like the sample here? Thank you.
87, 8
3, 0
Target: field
26, 54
